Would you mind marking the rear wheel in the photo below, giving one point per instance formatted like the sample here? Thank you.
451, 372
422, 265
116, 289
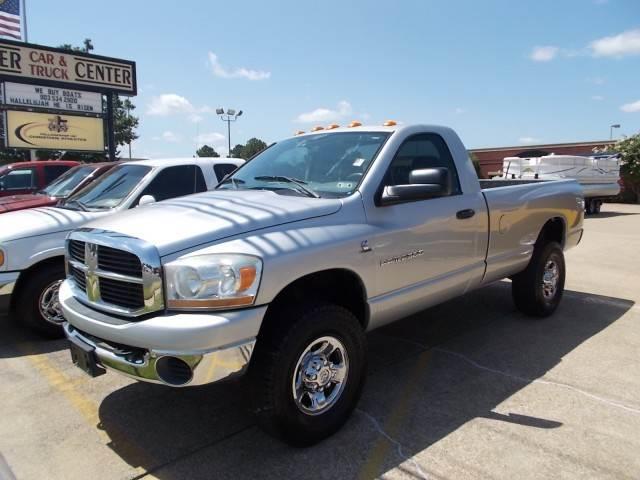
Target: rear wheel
307, 372
38, 306
537, 290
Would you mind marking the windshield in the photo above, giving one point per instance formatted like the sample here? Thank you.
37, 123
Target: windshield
327, 165
67, 182
110, 190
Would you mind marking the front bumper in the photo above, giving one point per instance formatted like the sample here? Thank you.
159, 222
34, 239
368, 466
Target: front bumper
211, 346
7, 285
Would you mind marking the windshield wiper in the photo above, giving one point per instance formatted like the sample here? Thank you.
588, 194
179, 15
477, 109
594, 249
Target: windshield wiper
299, 183
82, 206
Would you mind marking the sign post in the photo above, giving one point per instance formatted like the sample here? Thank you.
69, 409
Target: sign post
111, 141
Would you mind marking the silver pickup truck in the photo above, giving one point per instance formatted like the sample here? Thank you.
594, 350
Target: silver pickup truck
280, 271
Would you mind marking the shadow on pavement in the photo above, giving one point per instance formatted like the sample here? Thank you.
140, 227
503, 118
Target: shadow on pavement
421, 387
16, 340
611, 214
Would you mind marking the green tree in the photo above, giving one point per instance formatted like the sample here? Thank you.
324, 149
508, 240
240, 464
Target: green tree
630, 150
237, 151
207, 151
253, 147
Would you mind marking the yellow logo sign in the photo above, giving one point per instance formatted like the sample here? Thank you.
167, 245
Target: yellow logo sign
57, 132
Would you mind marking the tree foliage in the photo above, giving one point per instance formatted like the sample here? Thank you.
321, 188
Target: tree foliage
207, 151
630, 150
248, 150
476, 164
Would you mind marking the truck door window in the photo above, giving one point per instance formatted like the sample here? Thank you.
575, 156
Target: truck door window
51, 172
426, 150
223, 169
175, 182
21, 179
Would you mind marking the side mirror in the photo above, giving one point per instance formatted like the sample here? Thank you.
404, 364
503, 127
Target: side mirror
423, 184
146, 200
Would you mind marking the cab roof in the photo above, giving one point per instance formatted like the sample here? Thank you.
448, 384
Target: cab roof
169, 162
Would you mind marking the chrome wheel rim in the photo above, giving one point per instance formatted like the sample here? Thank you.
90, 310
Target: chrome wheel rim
49, 304
320, 375
550, 278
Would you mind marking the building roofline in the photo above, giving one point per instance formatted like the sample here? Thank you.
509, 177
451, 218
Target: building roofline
545, 145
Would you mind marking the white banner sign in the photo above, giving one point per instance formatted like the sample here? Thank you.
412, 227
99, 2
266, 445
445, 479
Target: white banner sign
51, 97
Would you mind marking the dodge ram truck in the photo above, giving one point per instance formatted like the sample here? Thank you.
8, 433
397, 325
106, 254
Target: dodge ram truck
279, 272
32, 241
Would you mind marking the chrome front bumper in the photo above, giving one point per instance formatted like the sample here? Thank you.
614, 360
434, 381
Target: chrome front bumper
7, 284
214, 346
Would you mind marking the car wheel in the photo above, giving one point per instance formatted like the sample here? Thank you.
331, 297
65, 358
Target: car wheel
307, 372
38, 306
537, 290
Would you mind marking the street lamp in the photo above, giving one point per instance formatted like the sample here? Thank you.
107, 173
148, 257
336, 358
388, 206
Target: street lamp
615, 125
229, 116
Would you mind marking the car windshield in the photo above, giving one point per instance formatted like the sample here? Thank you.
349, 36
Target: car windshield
110, 190
328, 165
67, 182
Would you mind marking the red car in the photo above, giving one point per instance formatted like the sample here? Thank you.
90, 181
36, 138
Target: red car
64, 186
30, 177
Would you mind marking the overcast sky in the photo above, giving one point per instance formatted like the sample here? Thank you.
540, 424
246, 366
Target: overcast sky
498, 71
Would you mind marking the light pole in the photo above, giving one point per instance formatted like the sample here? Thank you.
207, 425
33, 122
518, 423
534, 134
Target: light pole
229, 116
615, 125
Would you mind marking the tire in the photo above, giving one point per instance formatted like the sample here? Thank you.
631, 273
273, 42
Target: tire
39, 283
597, 206
530, 293
589, 206
283, 405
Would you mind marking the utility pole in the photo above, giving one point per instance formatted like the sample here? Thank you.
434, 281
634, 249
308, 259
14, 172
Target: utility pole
229, 116
615, 125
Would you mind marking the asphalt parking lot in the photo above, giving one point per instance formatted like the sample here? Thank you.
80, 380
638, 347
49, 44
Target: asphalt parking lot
468, 389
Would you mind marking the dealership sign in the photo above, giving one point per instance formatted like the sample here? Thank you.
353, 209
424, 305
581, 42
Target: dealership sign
38, 96
28, 63
53, 131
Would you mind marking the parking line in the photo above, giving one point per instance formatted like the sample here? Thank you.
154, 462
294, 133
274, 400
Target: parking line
392, 425
84, 405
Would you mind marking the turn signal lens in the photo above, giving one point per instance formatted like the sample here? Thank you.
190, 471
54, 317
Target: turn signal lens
315, 129
1, 258
355, 124
389, 123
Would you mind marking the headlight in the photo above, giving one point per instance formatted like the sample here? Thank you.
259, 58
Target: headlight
212, 281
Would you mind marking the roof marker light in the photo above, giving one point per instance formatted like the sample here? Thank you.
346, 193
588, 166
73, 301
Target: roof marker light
355, 123
299, 132
389, 123
316, 128
332, 126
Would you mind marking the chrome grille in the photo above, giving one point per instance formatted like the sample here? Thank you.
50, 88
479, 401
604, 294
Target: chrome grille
76, 250
114, 273
125, 294
119, 261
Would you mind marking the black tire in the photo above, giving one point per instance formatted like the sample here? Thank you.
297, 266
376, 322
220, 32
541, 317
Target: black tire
28, 301
597, 206
271, 374
589, 206
528, 288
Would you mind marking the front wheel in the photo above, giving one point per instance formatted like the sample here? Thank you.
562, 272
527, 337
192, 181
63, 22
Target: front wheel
307, 372
537, 290
38, 306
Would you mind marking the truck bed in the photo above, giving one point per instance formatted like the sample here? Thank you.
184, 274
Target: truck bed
486, 184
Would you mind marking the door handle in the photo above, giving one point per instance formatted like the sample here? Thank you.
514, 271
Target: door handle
467, 213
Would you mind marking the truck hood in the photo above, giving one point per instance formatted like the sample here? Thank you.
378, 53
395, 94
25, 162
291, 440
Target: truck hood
42, 221
20, 202
182, 223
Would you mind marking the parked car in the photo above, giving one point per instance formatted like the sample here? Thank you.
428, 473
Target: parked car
63, 187
282, 269
29, 177
32, 241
